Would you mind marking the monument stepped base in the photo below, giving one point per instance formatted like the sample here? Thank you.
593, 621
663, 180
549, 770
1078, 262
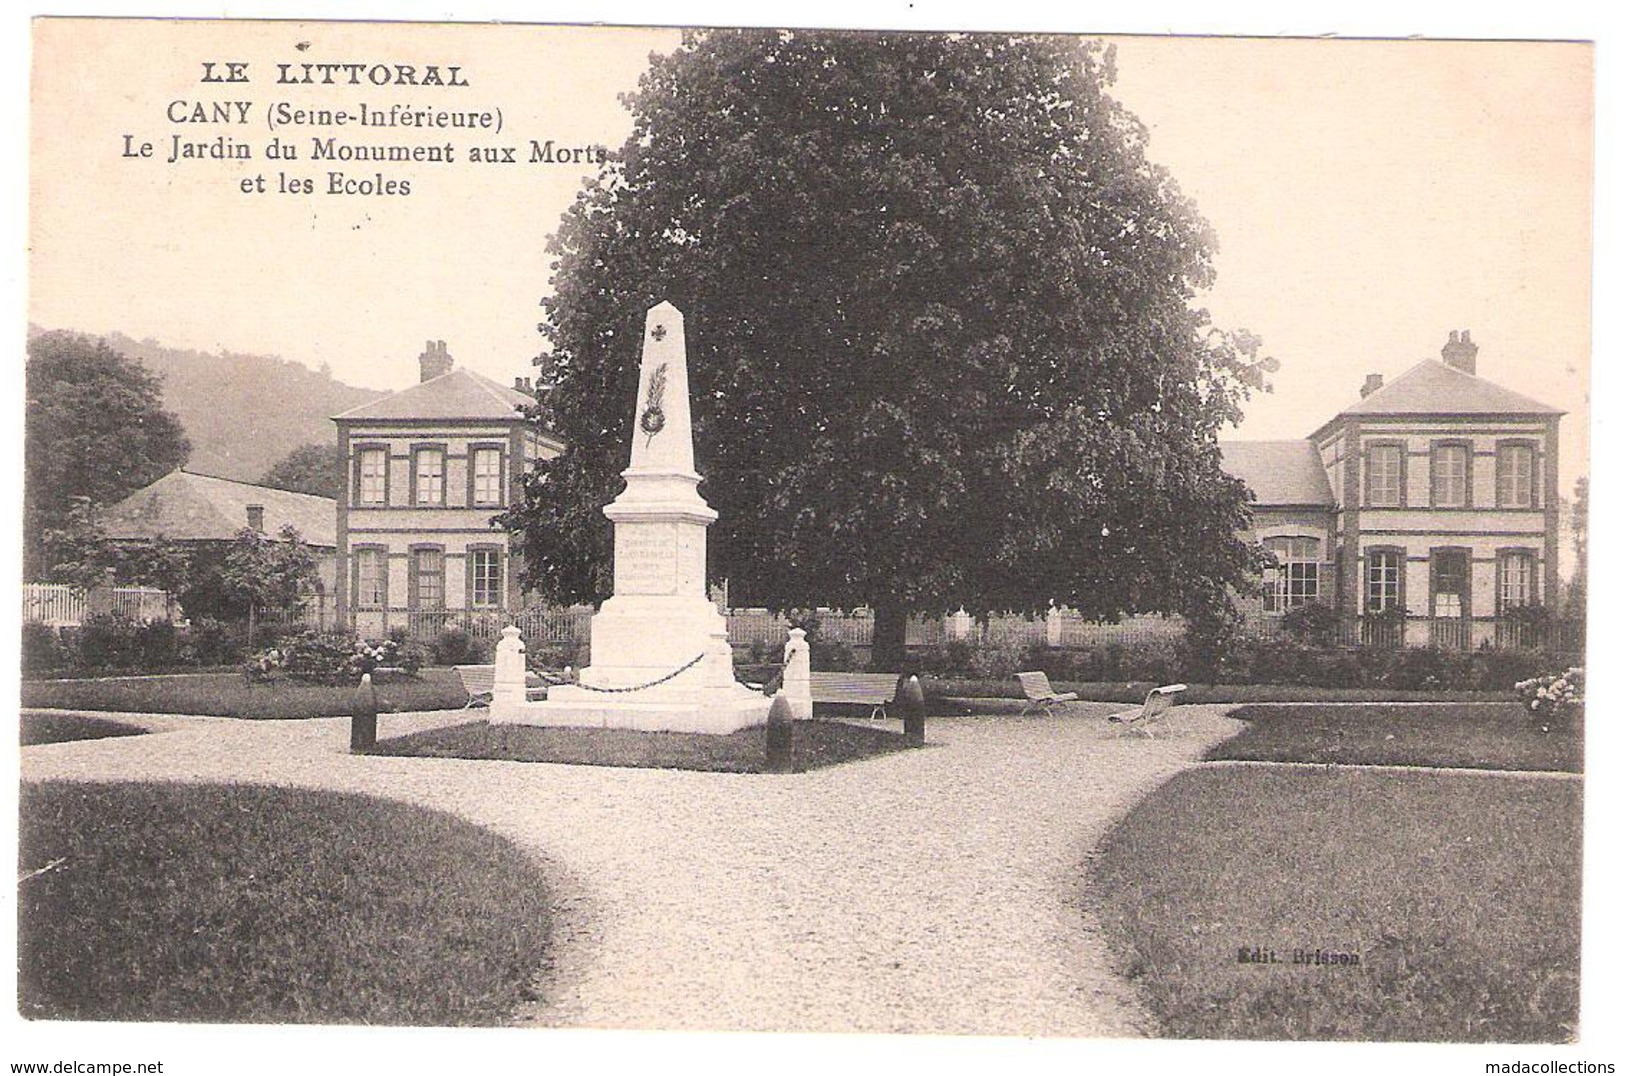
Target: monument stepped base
710, 711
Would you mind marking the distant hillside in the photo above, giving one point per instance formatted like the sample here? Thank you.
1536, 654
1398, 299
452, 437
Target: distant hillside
243, 413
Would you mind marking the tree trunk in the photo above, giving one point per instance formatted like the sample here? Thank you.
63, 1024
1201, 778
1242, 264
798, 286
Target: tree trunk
889, 648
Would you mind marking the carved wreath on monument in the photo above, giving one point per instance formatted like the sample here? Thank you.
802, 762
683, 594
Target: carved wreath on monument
653, 419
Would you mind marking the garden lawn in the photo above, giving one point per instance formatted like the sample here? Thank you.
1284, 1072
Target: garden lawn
228, 695
1458, 893
37, 728
1498, 737
816, 744
159, 902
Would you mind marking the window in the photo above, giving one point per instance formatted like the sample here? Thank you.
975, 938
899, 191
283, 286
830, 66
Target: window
428, 579
1450, 476
1385, 476
1450, 593
487, 470
429, 476
1517, 583
1382, 579
1297, 574
372, 476
1515, 476
484, 577
371, 578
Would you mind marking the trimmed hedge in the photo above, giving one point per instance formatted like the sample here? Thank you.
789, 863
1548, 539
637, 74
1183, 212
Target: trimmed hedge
110, 644
1247, 661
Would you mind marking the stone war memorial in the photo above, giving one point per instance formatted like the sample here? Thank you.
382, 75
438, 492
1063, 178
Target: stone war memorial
661, 661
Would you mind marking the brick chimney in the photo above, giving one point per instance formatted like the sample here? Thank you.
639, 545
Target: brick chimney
522, 384
1460, 353
256, 518
1373, 382
435, 360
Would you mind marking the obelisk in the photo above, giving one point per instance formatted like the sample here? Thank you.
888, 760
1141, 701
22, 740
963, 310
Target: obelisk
660, 653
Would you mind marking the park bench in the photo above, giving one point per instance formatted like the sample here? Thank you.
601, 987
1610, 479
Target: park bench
1035, 686
875, 690
1158, 701
480, 681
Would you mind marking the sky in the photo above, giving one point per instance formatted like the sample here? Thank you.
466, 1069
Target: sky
1367, 197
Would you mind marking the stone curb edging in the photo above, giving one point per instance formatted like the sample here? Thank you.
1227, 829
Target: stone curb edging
1380, 767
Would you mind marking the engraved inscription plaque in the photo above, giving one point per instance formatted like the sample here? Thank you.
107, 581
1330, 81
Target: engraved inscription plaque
646, 558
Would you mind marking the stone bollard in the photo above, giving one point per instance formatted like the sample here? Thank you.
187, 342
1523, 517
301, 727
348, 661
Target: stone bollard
364, 715
780, 736
911, 699
508, 680
798, 675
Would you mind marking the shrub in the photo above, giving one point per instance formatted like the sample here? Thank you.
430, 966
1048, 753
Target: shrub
392, 653
313, 656
551, 657
454, 646
1208, 645
118, 644
1314, 623
952, 658
1555, 698
157, 645
332, 658
1424, 668
42, 648
997, 660
833, 656
211, 642
108, 642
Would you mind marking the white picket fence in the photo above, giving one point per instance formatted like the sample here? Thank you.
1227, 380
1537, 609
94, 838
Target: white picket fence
61, 606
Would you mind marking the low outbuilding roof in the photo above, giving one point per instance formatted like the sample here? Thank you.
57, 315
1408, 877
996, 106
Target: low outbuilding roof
197, 507
1279, 472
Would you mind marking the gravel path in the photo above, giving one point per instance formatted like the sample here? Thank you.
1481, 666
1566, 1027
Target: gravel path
927, 891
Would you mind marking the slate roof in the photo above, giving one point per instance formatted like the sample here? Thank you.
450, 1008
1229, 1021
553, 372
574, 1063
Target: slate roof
1279, 472
1432, 388
186, 506
460, 394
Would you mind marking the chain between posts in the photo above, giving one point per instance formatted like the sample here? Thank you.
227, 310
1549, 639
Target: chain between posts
641, 687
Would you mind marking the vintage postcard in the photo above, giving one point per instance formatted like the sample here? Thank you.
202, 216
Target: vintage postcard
1055, 538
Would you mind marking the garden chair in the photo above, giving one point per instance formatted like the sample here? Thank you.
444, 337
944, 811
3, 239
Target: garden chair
1158, 701
480, 681
1035, 686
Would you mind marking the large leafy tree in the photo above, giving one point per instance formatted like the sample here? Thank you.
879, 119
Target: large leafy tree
95, 431
942, 336
311, 468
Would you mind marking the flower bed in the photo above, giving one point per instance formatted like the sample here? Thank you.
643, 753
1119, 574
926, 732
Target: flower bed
331, 659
